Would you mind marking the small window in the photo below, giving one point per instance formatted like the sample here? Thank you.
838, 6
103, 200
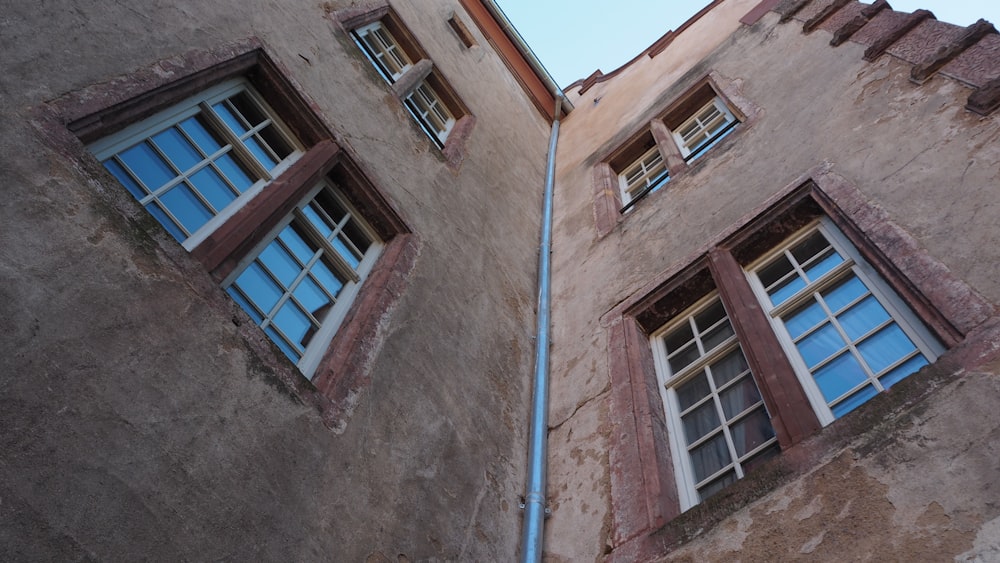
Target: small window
430, 112
847, 333
717, 422
704, 128
297, 284
383, 50
647, 174
195, 163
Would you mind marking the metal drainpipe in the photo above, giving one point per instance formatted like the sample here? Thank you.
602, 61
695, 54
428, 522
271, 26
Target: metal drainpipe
534, 499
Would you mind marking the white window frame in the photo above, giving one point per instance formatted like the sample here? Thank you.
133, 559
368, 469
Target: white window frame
387, 47
355, 277
684, 473
108, 147
854, 263
649, 171
702, 124
431, 112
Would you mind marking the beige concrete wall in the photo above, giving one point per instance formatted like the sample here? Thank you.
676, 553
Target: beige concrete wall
911, 150
138, 423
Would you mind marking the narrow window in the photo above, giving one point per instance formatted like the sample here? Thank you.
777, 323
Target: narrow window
718, 425
847, 333
647, 174
431, 113
704, 128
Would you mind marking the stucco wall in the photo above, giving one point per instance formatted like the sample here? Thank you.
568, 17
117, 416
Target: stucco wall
912, 151
139, 423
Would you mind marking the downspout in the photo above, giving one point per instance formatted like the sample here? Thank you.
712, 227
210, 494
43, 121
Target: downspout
534, 499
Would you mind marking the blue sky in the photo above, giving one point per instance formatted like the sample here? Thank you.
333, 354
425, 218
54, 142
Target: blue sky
573, 38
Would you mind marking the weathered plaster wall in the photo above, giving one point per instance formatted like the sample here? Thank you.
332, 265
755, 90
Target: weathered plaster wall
912, 151
139, 423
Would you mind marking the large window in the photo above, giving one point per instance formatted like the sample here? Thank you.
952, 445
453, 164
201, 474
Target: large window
718, 425
192, 165
847, 333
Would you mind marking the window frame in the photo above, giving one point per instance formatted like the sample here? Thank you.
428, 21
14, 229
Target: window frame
728, 123
654, 176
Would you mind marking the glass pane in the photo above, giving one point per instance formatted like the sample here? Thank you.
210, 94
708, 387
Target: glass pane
718, 335
178, 149
318, 220
816, 270
147, 166
844, 293
885, 347
903, 370
751, 431
186, 207
259, 288
785, 290
246, 305
208, 182
855, 401
288, 350
168, 223
346, 253
684, 358
774, 271
700, 421
260, 153
731, 366
125, 179
678, 337
280, 263
248, 109
811, 246
312, 298
738, 398
205, 139
692, 391
235, 172
713, 314
717, 485
294, 323
862, 317
820, 345
230, 118
839, 377
277, 143
710, 457
803, 319
357, 237
326, 278
300, 247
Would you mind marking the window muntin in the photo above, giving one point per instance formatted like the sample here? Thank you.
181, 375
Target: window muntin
647, 174
718, 425
195, 161
383, 50
430, 112
297, 285
704, 128
847, 334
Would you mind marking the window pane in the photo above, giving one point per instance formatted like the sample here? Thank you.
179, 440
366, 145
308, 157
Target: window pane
246, 305
126, 180
709, 316
208, 182
692, 391
903, 370
815, 270
839, 376
710, 457
774, 271
259, 287
186, 207
277, 339
844, 293
731, 366
318, 220
885, 347
168, 223
280, 263
230, 118
751, 431
678, 337
278, 144
248, 109
862, 317
311, 296
811, 246
739, 397
820, 345
196, 130
718, 335
300, 247
786, 289
260, 153
684, 358
859, 398
700, 421
804, 319
148, 167
235, 172
349, 256
715, 486
294, 323
180, 152
326, 278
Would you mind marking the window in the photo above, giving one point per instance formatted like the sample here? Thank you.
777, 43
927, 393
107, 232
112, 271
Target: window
404, 65
848, 335
648, 173
194, 164
704, 128
297, 284
718, 425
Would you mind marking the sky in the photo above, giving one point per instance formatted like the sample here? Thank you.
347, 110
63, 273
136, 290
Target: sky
573, 38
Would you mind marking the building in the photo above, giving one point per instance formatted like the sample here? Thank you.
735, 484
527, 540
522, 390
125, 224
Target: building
269, 276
